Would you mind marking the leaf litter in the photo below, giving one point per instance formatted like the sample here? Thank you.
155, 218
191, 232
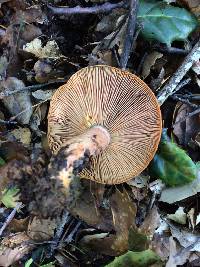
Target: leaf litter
144, 222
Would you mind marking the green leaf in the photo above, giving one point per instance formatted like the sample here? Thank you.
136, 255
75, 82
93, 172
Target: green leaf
28, 262
2, 162
10, 197
171, 164
165, 23
135, 259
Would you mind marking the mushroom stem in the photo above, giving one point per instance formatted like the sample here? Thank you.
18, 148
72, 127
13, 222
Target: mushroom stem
73, 157
91, 143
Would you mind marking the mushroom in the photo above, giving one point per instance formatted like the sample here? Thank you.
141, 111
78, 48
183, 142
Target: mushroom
109, 115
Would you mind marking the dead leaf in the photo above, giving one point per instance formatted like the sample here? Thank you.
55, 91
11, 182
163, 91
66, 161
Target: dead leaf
21, 135
193, 6
18, 225
13, 248
174, 194
29, 15
123, 214
179, 216
149, 63
19, 104
186, 130
50, 50
41, 229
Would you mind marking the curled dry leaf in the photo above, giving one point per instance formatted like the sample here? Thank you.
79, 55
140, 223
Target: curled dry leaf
123, 214
179, 216
188, 128
50, 50
149, 62
41, 229
17, 103
13, 248
21, 135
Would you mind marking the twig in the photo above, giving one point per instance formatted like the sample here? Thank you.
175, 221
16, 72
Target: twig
10, 217
7, 122
59, 231
170, 50
171, 87
29, 88
104, 8
185, 101
189, 115
130, 33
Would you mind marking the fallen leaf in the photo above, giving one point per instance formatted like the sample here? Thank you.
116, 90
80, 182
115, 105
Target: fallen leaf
43, 95
179, 216
123, 214
50, 50
13, 248
19, 104
149, 62
10, 197
172, 195
21, 135
41, 229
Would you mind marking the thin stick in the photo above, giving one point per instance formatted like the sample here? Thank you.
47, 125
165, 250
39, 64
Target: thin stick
130, 33
59, 231
104, 8
29, 88
10, 217
171, 87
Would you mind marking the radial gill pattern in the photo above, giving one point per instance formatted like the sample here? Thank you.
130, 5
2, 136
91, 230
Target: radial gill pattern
117, 100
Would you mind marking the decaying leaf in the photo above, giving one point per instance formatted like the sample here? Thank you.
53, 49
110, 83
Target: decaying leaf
41, 229
123, 213
13, 248
21, 135
185, 128
179, 216
50, 50
19, 104
171, 195
149, 63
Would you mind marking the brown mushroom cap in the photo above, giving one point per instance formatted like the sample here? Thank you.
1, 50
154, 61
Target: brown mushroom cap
120, 102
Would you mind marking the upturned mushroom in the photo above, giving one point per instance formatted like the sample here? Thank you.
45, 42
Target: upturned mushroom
110, 115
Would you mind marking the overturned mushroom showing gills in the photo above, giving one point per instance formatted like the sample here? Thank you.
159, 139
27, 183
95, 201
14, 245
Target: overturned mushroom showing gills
110, 115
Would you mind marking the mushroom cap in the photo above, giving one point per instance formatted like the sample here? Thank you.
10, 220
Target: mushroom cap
120, 102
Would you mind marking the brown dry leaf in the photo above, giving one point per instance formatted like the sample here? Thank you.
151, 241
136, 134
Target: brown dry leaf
196, 66
193, 5
188, 128
13, 248
151, 222
41, 229
149, 62
19, 103
109, 22
21, 135
43, 69
29, 15
123, 214
38, 116
19, 225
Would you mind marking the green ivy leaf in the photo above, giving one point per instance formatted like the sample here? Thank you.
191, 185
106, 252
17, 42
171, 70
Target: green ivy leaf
10, 197
165, 23
2, 162
171, 164
135, 259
